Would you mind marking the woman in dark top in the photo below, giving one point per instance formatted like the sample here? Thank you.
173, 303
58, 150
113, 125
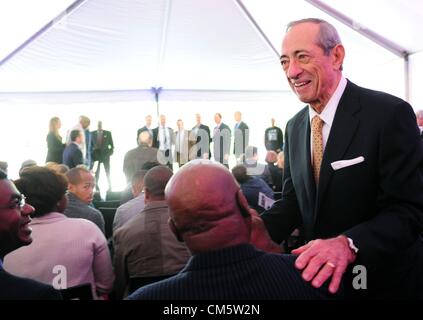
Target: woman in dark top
54, 142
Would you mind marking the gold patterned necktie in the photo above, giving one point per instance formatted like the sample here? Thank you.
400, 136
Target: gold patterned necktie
316, 129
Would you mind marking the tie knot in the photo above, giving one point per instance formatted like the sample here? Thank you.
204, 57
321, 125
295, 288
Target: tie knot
317, 122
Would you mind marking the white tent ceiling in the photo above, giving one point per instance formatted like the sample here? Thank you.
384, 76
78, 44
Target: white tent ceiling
213, 45
101, 58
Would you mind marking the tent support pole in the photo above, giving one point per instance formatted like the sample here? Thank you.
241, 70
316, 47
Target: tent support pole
50, 24
370, 34
257, 27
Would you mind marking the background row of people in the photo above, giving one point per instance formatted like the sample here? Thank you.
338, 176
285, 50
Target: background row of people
89, 147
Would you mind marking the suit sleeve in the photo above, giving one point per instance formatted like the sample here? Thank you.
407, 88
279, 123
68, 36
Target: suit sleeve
399, 204
266, 140
280, 138
119, 263
77, 157
246, 136
138, 134
226, 135
102, 265
284, 216
112, 147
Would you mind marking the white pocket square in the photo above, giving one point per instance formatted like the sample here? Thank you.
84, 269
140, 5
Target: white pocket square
346, 163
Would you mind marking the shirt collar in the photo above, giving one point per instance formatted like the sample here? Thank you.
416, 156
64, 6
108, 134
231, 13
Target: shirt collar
329, 110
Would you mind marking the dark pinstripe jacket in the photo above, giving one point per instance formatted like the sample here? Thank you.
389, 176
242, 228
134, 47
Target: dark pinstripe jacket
17, 288
239, 272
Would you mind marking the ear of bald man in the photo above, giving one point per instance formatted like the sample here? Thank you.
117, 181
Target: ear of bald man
259, 237
175, 230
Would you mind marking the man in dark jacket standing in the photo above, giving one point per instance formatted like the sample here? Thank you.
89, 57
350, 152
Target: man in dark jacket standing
102, 150
273, 138
241, 136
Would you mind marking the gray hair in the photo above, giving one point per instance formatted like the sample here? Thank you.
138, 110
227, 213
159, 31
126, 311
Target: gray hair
327, 38
145, 138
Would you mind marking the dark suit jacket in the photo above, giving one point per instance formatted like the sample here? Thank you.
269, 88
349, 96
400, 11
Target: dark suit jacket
55, 148
72, 156
378, 203
234, 273
154, 137
106, 149
16, 288
241, 138
201, 140
222, 142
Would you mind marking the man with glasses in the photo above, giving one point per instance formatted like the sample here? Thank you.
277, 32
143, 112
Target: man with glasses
15, 233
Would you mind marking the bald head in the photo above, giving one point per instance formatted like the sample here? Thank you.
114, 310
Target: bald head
145, 139
207, 207
155, 182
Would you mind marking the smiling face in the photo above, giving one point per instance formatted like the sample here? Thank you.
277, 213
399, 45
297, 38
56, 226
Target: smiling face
312, 74
14, 219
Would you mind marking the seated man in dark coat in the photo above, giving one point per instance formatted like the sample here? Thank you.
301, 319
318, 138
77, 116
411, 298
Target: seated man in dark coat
15, 233
217, 228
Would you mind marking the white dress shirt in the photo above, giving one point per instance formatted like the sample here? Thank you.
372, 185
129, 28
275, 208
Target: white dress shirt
328, 113
164, 138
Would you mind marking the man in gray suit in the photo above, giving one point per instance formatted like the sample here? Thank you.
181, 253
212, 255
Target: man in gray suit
181, 143
136, 158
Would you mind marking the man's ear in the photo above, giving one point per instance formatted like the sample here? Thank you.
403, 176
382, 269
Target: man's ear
174, 230
339, 55
147, 195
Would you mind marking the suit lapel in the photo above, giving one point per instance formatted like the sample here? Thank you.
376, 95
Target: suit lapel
302, 158
343, 129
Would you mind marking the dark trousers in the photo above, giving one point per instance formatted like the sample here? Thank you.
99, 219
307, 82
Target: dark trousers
106, 163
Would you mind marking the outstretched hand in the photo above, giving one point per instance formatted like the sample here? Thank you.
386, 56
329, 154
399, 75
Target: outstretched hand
324, 259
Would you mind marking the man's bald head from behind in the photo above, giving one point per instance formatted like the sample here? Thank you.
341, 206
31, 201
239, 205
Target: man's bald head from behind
207, 207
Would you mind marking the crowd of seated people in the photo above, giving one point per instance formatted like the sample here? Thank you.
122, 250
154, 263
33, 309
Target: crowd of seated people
64, 250
69, 225
69, 248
